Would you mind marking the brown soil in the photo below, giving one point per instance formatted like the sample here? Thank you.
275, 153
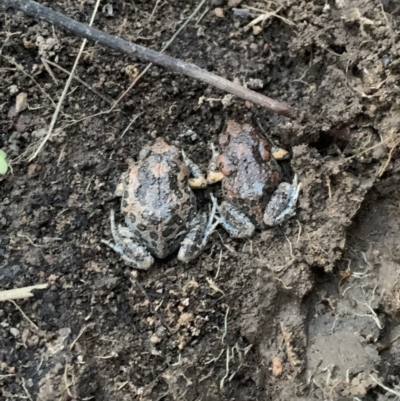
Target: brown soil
305, 311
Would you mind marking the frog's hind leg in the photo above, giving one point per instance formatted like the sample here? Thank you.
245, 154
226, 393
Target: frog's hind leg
131, 252
197, 238
282, 205
198, 179
234, 220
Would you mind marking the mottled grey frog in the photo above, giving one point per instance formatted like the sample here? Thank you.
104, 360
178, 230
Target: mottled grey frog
160, 208
254, 194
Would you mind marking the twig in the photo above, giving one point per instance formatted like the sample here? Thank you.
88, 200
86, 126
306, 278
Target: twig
221, 384
65, 91
83, 329
66, 383
85, 84
154, 10
23, 314
20, 293
225, 326
165, 47
25, 389
130, 123
61, 21
389, 158
141, 288
19, 67
389, 390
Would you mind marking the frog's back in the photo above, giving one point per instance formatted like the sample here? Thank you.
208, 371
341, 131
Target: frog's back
254, 175
158, 202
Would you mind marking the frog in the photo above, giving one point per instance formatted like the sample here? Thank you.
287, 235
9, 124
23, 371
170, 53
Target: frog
160, 209
255, 195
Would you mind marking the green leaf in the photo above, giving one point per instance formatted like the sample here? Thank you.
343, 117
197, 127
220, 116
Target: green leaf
2, 154
3, 166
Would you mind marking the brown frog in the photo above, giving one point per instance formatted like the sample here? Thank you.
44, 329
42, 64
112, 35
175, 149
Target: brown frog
254, 194
160, 208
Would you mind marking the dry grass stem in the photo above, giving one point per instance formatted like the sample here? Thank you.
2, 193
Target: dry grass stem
66, 383
165, 47
389, 158
25, 389
265, 15
20, 293
389, 390
26, 317
83, 329
19, 67
85, 84
130, 123
154, 10
219, 264
225, 326
65, 91
141, 288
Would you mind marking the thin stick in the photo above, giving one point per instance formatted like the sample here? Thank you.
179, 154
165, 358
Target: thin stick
23, 314
162, 320
181, 28
154, 10
389, 390
83, 329
19, 67
225, 326
85, 84
25, 389
65, 91
20, 293
61, 21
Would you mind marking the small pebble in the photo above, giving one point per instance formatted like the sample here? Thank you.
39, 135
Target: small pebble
154, 339
385, 61
14, 331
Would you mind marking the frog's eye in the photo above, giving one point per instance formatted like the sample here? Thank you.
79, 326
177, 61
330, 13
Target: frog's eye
223, 140
265, 151
224, 165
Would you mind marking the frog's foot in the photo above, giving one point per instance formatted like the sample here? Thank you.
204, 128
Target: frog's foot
198, 180
279, 153
120, 187
234, 220
131, 252
197, 238
213, 173
282, 205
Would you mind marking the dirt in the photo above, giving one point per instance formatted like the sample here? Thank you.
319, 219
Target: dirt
308, 310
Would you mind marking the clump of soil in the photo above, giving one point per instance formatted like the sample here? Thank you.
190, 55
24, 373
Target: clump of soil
307, 310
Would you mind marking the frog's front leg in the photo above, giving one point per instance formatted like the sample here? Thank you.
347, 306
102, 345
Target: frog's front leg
198, 180
197, 237
236, 222
128, 247
282, 205
214, 175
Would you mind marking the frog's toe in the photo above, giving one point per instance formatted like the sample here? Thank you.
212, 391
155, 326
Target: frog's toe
140, 262
132, 254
